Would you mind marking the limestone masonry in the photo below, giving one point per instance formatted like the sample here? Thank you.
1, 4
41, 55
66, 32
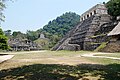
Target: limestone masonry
98, 9
90, 33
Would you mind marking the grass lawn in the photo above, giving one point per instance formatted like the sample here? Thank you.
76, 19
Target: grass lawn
44, 57
58, 65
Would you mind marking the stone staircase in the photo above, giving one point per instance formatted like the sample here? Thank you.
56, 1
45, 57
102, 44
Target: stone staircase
65, 40
82, 33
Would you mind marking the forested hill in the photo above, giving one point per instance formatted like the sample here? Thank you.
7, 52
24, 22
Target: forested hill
53, 31
58, 27
61, 25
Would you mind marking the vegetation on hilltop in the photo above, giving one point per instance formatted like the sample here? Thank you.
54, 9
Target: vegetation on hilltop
53, 31
57, 28
61, 25
113, 8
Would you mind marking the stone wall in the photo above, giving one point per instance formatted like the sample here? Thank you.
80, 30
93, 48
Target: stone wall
99, 33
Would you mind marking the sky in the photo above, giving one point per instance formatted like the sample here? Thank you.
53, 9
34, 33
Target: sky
23, 15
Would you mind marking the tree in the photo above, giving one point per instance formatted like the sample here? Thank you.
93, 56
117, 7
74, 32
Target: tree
61, 25
2, 7
58, 27
18, 34
113, 8
3, 38
32, 35
7, 33
3, 41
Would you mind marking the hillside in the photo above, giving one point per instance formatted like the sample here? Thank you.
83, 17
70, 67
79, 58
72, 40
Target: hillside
58, 27
62, 24
53, 31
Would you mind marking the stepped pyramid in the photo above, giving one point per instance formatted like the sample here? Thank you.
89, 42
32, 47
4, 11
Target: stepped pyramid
85, 35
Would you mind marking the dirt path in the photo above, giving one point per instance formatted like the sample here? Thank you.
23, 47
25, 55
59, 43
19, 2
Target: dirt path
5, 57
94, 55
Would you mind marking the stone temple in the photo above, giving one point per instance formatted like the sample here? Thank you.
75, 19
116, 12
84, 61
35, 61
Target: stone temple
91, 31
97, 9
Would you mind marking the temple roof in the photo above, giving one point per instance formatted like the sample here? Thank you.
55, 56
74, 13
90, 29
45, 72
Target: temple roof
115, 31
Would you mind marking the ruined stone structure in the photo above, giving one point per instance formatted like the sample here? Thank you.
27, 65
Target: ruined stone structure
114, 43
22, 45
90, 33
98, 9
42, 36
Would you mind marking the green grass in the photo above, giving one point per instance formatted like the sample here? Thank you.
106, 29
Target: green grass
103, 45
46, 57
22, 55
97, 36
